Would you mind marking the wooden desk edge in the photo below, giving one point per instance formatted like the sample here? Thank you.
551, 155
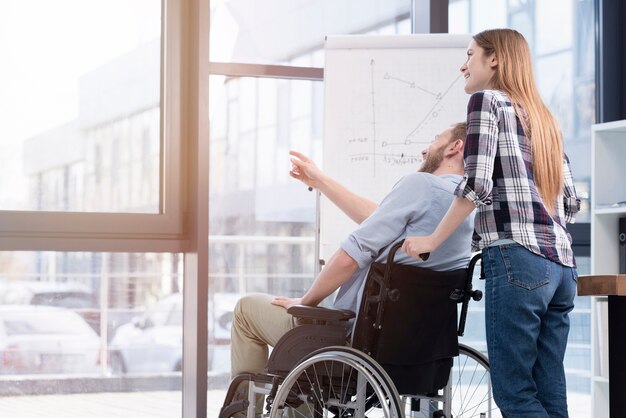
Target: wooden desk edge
602, 284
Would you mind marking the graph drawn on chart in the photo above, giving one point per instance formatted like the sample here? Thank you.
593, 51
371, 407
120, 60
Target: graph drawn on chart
399, 143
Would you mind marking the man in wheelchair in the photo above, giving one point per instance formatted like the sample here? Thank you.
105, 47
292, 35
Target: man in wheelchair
414, 206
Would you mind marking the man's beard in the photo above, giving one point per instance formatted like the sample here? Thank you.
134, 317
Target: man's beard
432, 162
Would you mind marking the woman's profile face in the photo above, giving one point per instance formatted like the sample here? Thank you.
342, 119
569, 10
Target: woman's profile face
479, 69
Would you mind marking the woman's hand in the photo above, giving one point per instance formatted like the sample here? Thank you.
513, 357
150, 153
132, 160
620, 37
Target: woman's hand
305, 170
414, 246
286, 302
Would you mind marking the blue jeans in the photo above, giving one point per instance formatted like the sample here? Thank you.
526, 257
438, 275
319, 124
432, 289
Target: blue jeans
527, 301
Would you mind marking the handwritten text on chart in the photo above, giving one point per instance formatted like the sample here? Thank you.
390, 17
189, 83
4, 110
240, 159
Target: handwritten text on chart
389, 159
356, 158
358, 140
401, 160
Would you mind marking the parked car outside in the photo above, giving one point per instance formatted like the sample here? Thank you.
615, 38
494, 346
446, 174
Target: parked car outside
46, 340
153, 343
74, 296
67, 295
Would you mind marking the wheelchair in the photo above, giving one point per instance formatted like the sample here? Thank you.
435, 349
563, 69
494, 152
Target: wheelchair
403, 358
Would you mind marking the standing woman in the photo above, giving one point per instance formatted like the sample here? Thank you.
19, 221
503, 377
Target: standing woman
518, 178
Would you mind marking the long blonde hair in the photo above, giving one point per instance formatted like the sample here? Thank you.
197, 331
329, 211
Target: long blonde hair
514, 75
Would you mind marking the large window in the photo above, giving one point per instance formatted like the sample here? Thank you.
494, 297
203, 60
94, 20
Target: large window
79, 127
91, 231
285, 31
262, 222
100, 317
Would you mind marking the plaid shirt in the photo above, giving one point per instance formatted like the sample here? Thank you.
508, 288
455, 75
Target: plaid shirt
499, 181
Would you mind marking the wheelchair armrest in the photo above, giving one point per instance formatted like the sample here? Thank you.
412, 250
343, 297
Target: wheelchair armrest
319, 313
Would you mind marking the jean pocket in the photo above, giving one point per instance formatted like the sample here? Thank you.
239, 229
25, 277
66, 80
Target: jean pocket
524, 268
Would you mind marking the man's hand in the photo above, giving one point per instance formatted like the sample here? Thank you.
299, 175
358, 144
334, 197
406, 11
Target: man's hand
305, 170
356, 207
286, 302
414, 246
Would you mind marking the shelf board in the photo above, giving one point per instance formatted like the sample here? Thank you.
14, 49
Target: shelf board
610, 211
615, 126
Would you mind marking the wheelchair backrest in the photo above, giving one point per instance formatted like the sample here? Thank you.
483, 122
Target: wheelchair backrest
419, 319
407, 321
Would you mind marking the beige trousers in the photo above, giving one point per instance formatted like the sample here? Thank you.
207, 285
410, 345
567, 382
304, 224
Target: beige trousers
257, 324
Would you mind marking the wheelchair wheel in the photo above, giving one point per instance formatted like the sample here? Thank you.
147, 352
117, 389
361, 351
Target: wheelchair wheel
337, 382
467, 394
469, 388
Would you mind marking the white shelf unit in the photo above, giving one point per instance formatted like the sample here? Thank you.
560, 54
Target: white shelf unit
608, 188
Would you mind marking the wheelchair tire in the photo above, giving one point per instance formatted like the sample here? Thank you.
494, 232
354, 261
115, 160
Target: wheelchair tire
337, 382
470, 386
467, 394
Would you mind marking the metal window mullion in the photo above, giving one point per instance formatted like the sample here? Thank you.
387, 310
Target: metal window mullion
429, 16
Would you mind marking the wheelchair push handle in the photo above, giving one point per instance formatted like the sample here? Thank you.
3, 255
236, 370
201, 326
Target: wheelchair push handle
396, 247
392, 254
392, 294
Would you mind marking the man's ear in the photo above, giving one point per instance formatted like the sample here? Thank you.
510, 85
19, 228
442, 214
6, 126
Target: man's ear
455, 146
458, 145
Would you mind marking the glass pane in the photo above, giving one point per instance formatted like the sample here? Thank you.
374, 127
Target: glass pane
458, 16
262, 222
495, 19
76, 328
79, 110
265, 32
553, 37
564, 57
